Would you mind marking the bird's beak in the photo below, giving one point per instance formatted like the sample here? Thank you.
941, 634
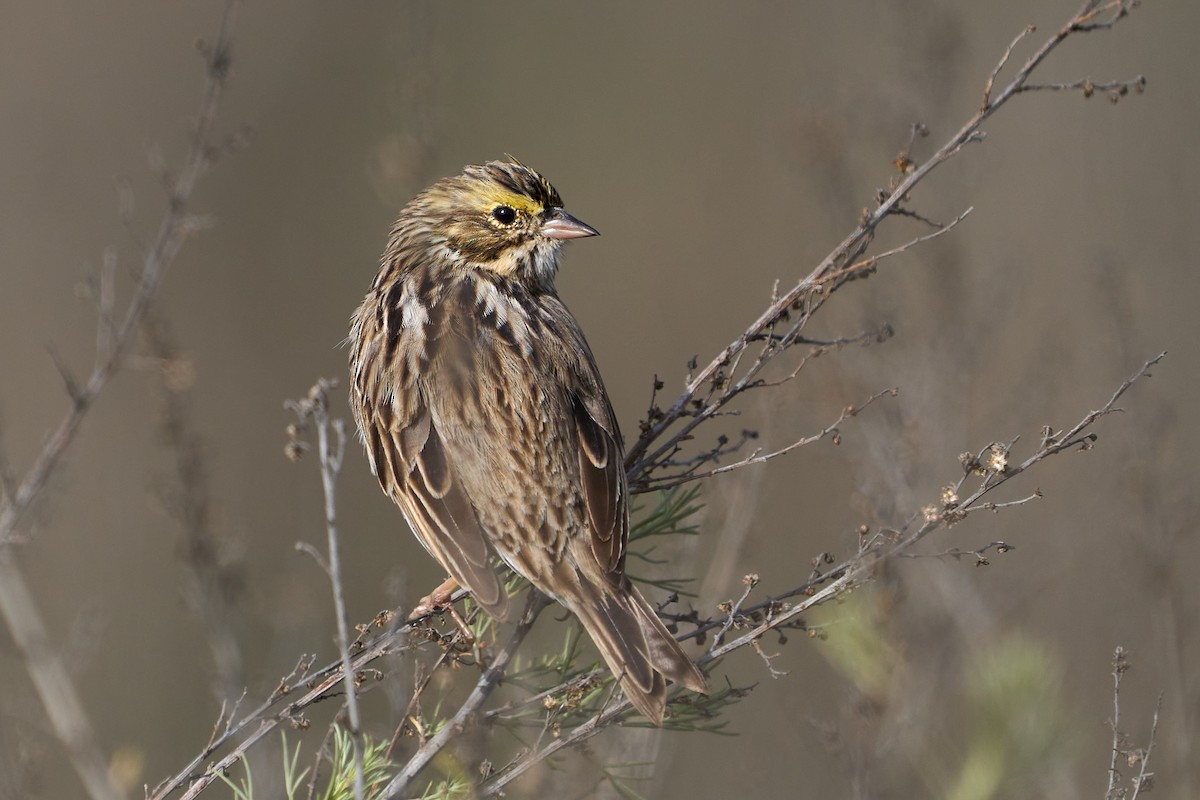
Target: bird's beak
558, 224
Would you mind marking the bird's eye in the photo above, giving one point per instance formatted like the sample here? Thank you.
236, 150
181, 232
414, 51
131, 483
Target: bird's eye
504, 215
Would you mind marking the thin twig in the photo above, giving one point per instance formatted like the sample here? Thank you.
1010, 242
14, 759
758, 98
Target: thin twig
760, 457
1008, 51
1120, 741
495, 785
1120, 666
1137, 84
483, 688
414, 701
911, 243
330, 455
1145, 780
750, 581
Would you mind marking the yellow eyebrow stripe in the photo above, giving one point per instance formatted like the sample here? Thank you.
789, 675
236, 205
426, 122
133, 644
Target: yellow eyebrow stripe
495, 196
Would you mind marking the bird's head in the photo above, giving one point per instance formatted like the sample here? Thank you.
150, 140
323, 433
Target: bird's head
499, 216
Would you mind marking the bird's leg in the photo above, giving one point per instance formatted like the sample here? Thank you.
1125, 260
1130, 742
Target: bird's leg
436, 600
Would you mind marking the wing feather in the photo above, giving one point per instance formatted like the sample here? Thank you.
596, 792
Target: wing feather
601, 470
441, 514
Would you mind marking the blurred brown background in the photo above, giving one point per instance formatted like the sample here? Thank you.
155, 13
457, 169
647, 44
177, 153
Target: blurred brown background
718, 147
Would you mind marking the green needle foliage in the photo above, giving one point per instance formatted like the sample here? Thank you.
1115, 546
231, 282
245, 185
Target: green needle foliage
340, 783
675, 506
670, 516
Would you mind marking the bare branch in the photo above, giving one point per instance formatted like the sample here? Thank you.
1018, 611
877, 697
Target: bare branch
895, 251
734, 607
173, 230
483, 688
1088, 88
760, 457
979, 554
1120, 666
1144, 779
494, 786
53, 681
50, 677
858, 569
316, 408
1121, 745
991, 81
707, 390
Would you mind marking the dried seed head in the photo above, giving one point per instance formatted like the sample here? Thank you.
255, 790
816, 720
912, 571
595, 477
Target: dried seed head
996, 459
295, 450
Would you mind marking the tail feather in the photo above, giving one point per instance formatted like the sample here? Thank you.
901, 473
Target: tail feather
638, 648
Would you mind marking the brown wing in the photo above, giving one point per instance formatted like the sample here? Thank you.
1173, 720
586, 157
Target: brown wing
412, 467
601, 469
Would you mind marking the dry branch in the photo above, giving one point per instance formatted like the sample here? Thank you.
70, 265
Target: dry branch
114, 338
330, 454
714, 386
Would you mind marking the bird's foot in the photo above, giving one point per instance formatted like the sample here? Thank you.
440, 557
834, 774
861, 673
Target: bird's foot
436, 601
